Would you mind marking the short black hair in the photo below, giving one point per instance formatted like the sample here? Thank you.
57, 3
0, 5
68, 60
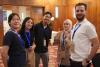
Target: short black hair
11, 16
47, 13
80, 4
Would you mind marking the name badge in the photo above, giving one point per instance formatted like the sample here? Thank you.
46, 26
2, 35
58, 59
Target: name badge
44, 42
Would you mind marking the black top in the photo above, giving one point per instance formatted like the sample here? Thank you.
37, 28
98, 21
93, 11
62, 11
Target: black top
41, 34
24, 36
16, 52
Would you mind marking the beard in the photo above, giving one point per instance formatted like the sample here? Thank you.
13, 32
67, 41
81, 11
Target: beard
80, 17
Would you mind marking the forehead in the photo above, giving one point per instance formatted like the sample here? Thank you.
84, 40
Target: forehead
81, 7
66, 22
15, 16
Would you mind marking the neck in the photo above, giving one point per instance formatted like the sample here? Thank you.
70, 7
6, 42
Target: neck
16, 30
27, 30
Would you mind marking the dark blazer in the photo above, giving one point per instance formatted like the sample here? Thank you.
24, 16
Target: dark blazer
40, 34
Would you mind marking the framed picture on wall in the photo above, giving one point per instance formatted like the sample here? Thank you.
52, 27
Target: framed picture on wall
5, 15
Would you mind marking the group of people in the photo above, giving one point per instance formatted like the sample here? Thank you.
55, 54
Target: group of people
77, 45
22, 40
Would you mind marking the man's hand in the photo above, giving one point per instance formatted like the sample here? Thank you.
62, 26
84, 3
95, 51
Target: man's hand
85, 62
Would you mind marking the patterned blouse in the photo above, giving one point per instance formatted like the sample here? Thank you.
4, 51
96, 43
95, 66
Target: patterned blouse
64, 44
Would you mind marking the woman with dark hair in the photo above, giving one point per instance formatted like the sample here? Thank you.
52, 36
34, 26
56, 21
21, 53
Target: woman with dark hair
14, 54
27, 35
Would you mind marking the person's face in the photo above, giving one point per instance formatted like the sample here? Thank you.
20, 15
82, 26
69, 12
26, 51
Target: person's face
29, 24
80, 12
66, 26
15, 22
46, 19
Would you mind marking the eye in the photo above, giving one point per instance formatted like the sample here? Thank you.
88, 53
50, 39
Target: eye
66, 24
77, 10
82, 10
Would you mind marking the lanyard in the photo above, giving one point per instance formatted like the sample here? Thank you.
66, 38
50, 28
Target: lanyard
62, 41
19, 38
27, 34
76, 28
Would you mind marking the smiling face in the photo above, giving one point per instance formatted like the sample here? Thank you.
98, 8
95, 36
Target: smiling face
29, 24
80, 12
15, 22
67, 25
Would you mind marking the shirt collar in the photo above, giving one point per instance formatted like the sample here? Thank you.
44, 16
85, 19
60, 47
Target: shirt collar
82, 21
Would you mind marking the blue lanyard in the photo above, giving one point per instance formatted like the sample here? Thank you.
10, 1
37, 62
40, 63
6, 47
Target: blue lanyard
21, 41
76, 28
62, 43
27, 34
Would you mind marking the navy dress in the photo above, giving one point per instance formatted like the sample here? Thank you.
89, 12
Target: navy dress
16, 53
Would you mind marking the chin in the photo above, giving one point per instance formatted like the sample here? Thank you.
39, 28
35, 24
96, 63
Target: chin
80, 18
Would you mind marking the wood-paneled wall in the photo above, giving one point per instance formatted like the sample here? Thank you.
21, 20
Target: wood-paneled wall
65, 10
93, 11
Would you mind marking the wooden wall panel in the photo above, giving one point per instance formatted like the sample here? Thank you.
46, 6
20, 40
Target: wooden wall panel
93, 11
48, 4
98, 17
65, 9
23, 2
1, 25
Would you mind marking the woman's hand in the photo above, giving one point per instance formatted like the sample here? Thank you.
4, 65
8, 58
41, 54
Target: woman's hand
33, 47
30, 49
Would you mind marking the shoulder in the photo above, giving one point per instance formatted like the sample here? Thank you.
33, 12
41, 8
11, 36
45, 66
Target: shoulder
37, 25
88, 24
9, 33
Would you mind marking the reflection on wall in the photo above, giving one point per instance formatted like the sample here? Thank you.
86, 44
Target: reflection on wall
73, 14
6, 13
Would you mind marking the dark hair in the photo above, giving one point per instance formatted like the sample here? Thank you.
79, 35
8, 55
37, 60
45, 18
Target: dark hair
80, 4
23, 24
11, 16
47, 13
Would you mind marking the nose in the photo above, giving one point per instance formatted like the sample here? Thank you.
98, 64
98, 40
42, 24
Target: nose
17, 21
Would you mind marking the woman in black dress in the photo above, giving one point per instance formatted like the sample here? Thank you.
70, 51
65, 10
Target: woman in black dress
14, 49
